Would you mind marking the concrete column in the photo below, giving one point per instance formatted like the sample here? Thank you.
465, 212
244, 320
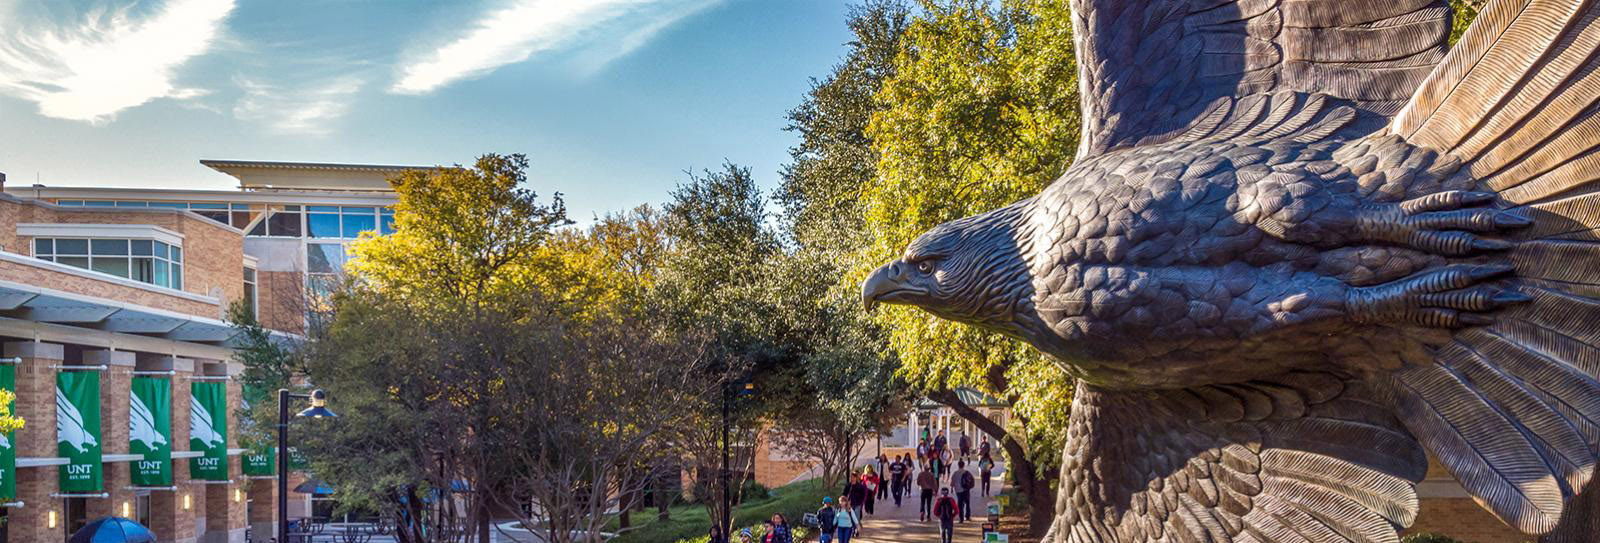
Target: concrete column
36, 404
263, 508
168, 516
115, 385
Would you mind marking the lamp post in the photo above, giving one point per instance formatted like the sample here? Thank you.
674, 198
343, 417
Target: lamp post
727, 475
318, 409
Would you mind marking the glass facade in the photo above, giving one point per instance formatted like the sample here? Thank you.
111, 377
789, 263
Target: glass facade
269, 220
143, 260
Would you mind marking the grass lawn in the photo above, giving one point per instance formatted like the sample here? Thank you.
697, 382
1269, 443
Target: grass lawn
690, 521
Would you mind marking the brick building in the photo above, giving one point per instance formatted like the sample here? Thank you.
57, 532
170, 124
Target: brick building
129, 284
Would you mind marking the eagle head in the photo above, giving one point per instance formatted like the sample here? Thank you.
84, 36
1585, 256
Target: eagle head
971, 270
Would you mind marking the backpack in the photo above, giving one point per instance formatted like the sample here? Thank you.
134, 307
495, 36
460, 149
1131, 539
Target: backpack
825, 519
966, 480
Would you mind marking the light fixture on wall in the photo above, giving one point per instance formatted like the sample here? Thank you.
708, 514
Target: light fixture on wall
127, 510
187, 502
52, 518
238, 495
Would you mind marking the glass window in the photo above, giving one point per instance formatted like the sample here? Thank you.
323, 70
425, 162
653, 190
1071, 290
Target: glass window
177, 276
142, 247
177, 253
324, 257
143, 270
161, 250
172, 205
112, 266
323, 209
44, 247
284, 224
72, 246
322, 225
354, 225
160, 273
250, 290
133, 204
348, 209
199, 205
99, 203
260, 229
387, 224
74, 261
73, 203
109, 247
219, 216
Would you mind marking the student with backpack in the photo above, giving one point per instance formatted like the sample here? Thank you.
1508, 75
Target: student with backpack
963, 481
848, 521
825, 521
945, 510
926, 481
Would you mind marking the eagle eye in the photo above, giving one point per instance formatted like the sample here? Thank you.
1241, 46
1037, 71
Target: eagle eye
925, 265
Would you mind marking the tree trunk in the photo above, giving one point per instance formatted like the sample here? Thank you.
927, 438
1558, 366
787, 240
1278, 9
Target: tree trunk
1580, 521
1030, 482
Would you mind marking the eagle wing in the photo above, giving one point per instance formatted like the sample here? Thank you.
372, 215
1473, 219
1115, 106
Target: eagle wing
1148, 71
69, 422
201, 426
1304, 457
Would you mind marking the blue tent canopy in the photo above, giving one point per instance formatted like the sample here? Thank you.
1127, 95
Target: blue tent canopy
113, 530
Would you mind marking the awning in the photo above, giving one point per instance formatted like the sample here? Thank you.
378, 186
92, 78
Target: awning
39, 304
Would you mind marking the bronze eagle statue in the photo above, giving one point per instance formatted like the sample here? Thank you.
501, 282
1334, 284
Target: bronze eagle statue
1304, 245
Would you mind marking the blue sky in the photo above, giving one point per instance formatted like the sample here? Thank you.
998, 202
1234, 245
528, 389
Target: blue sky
611, 99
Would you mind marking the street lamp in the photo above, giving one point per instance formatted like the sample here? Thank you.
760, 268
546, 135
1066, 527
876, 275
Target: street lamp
749, 389
318, 409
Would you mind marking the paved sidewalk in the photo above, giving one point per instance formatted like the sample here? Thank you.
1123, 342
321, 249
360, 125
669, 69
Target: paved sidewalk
901, 525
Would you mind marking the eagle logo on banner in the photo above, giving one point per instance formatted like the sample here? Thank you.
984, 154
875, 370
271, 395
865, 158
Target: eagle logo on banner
69, 425
201, 427
142, 424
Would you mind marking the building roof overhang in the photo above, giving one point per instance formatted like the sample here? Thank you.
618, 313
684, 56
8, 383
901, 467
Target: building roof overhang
38, 304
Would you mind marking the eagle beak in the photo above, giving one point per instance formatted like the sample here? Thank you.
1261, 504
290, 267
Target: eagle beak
883, 281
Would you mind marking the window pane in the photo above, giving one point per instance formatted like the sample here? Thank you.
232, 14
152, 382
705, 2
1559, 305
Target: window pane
250, 275
144, 270
115, 247
99, 203
324, 257
322, 225
177, 254
72, 247
43, 247
142, 247
260, 229
388, 224
219, 216
69, 203
133, 204
208, 206
348, 209
161, 273
161, 249
241, 219
74, 261
177, 277
173, 205
325, 209
113, 266
354, 225
286, 224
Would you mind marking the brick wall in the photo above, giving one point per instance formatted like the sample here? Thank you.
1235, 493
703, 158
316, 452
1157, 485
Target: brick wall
115, 385
213, 254
36, 404
280, 297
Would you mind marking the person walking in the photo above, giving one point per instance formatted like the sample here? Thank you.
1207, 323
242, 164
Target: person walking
963, 481
966, 445
883, 474
983, 446
856, 491
922, 450
847, 522
780, 529
945, 511
897, 479
825, 521
927, 482
716, 536
872, 481
986, 471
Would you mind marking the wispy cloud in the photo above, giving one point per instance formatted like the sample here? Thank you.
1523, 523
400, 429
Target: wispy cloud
312, 109
525, 28
109, 60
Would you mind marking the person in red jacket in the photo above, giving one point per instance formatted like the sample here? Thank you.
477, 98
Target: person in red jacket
945, 509
871, 480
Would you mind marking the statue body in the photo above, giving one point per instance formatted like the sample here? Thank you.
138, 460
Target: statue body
1301, 246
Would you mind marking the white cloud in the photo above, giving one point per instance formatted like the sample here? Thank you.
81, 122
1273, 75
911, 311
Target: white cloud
525, 28
309, 109
109, 61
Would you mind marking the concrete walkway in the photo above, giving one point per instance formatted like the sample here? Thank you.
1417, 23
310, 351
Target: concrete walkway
902, 525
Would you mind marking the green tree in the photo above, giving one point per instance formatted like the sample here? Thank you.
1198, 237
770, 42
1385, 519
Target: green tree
981, 111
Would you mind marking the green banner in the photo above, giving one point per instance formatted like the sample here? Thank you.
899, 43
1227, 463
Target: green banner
78, 431
150, 431
8, 452
261, 463
208, 430
298, 460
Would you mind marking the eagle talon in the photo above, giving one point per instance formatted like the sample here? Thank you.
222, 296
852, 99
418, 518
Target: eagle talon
1445, 223
1449, 297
